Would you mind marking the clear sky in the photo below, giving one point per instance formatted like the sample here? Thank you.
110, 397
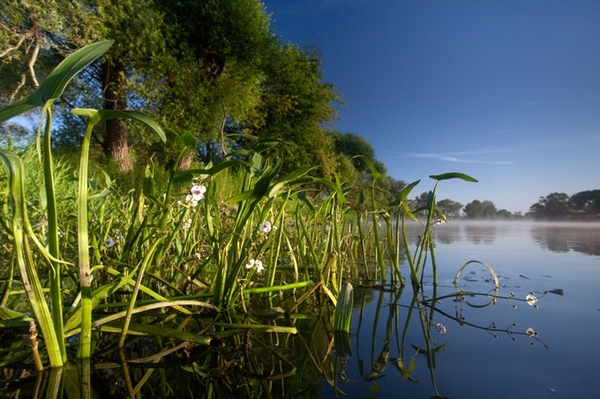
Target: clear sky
505, 91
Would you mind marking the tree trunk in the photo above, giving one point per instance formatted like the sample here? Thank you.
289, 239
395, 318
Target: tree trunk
115, 134
186, 160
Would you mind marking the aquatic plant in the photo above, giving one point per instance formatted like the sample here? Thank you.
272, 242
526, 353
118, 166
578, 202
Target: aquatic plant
232, 255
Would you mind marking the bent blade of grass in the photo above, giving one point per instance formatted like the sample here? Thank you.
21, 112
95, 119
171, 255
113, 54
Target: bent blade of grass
492, 272
155, 330
157, 305
292, 286
262, 327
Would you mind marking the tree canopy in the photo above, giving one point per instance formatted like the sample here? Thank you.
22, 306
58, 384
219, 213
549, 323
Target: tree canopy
582, 205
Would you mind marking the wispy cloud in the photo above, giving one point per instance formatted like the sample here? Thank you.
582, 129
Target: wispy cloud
466, 156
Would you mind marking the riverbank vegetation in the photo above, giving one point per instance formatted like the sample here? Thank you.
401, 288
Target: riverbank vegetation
213, 222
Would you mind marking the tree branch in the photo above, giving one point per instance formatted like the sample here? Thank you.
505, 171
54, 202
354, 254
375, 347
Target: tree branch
13, 48
19, 85
32, 60
223, 151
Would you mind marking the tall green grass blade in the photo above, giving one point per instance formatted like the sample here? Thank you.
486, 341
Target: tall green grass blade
136, 289
342, 318
94, 117
55, 271
27, 268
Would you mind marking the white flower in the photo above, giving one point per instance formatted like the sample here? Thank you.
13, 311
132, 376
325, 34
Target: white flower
441, 329
531, 299
187, 223
266, 227
259, 266
440, 219
109, 243
198, 192
255, 264
531, 332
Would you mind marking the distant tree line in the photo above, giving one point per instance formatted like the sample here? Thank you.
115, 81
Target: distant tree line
580, 206
584, 205
475, 209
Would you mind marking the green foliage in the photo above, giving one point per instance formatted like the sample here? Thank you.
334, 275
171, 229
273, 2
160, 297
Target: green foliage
230, 249
481, 210
581, 205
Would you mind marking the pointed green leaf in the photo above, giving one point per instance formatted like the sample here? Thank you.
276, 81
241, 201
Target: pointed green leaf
55, 84
290, 179
453, 175
376, 175
16, 109
104, 114
57, 81
406, 190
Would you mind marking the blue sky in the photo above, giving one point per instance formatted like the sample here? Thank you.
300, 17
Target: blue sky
505, 91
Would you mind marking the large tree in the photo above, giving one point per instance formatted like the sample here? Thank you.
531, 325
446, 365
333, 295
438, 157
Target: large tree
202, 68
296, 107
585, 203
552, 206
480, 210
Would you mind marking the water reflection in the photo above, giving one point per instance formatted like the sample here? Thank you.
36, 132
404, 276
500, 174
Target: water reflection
565, 237
405, 345
555, 237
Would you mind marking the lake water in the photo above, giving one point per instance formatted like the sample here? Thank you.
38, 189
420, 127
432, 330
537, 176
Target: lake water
486, 351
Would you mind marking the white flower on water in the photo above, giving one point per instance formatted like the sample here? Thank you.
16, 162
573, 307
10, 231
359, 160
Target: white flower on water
266, 227
531, 299
531, 332
255, 264
439, 219
109, 243
441, 328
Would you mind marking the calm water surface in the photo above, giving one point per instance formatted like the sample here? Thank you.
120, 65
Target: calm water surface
486, 351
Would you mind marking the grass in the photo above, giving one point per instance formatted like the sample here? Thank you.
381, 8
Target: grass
201, 257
